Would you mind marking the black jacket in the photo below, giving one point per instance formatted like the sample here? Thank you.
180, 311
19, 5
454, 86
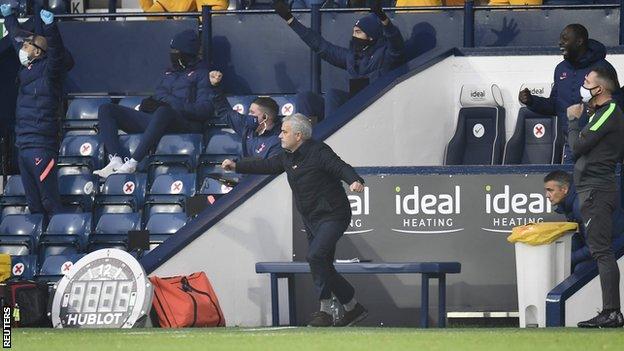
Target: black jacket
314, 173
597, 148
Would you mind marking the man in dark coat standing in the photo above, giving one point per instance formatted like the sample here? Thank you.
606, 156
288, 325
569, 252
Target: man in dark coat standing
314, 174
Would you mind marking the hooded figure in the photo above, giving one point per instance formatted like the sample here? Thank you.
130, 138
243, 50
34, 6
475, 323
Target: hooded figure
376, 48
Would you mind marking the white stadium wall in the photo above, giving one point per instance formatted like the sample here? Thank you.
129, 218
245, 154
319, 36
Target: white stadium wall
408, 126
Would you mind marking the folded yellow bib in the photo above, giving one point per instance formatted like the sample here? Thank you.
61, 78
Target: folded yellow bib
541, 233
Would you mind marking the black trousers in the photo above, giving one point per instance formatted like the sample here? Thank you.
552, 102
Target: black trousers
322, 240
597, 209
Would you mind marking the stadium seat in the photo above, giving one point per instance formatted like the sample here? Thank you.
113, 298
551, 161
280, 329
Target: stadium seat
169, 193
286, 104
536, 140
80, 154
67, 233
480, 134
56, 266
221, 143
121, 193
112, 229
214, 188
13, 200
23, 267
77, 191
82, 114
175, 153
241, 103
132, 102
162, 226
19, 233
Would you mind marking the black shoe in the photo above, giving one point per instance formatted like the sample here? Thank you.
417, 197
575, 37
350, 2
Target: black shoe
356, 315
321, 319
604, 319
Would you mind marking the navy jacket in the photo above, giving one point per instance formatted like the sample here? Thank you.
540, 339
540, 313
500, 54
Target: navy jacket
254, 145
568, 80
571, 208
187, 91
384, 56
40, 90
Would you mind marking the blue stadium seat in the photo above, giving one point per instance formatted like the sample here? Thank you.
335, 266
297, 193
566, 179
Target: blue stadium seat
132, 102
20, 233
80, 154
77, 191
121, 193
23, 267
214, 187
221, 143
112, 230
67, 233
175, 153
241, 103
82, 114
13, 200
56, 266
162, 226
480, 134
169, 193
536, 140
286, 104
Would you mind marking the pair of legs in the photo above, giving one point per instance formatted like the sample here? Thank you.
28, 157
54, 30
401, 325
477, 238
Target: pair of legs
322, 240
39, 176
154, 125
312, 104
164, 120
597, 209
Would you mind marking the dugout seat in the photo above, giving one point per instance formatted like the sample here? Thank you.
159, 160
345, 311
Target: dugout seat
536, 140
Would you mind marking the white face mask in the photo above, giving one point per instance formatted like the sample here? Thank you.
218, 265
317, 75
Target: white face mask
586, 94
23, 57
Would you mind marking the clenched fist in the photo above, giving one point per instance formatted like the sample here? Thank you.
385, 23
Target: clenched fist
575, 111
356, 187
215, 77
228, 165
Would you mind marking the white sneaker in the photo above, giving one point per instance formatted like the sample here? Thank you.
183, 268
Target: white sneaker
128, 167
114, 163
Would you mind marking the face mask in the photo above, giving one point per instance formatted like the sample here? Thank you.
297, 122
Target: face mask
261, 126
359, 44
23, 57
586, 94
180, 61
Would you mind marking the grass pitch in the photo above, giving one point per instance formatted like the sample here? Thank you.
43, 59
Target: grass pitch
300, 339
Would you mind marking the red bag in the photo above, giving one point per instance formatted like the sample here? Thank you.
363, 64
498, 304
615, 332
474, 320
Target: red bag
186, 301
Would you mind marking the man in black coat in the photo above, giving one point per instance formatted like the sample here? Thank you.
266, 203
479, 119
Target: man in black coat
314, 174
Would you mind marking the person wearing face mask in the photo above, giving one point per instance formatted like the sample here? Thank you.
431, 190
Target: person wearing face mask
39, 94
597, 148
259, 130
181, 103
580, 56
376, 48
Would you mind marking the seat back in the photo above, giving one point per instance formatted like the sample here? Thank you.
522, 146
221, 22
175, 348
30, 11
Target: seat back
479, 138
19, 233
84, 153
54, 267
176, 153
536, 140
23, 266
122, 193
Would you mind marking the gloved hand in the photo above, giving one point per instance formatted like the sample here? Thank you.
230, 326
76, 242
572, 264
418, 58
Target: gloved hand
150, 104
377, 10
283, 10
47, 17
6, 10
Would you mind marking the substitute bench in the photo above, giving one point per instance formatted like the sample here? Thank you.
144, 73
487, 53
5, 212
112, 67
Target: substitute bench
429, 270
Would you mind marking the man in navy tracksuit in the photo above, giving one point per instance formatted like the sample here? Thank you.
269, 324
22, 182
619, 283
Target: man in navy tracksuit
376, 48
580, 56
561, 192
37, 126
181, 104
259, 131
